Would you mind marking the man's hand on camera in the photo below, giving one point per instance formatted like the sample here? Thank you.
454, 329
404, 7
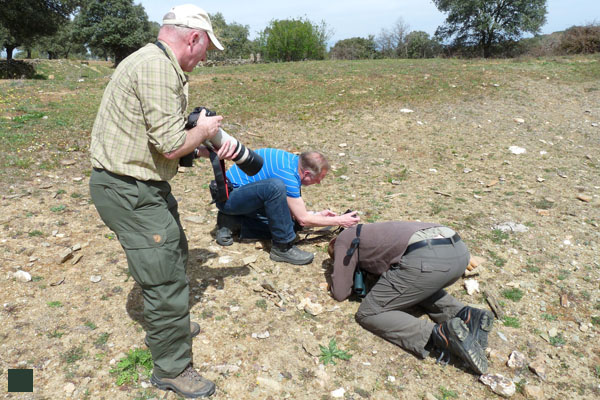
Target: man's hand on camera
228, 151
209, 126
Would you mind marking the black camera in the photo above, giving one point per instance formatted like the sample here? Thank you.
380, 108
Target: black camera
247, 160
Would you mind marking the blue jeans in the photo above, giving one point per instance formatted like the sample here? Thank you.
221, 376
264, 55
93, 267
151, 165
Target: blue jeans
264, 210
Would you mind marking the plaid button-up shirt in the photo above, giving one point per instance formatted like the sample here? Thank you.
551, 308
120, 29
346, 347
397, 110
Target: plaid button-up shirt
141, 116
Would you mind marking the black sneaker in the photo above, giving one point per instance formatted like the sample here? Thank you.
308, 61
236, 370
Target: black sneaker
189, 383
290, 254
227, 225
194, 331
454, 337
479, 322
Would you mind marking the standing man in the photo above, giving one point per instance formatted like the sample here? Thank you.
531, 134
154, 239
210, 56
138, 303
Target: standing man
414, 262
137, 140
269, 200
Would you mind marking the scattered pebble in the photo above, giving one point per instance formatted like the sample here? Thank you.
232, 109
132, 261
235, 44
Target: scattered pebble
69, 388
584, 198
516, 360
499, 384
406, 110
225, 259
95, 278
22, 276
338, 393
519, 120
261, 335
472, 286
517, 150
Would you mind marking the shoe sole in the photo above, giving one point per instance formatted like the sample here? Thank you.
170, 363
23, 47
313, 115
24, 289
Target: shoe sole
169, 386
295, 262
474, 356
485, 326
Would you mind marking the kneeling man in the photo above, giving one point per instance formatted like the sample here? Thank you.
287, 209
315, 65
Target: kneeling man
413, 261
265, 206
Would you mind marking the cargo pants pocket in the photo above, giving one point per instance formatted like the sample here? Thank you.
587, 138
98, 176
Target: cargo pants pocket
149, 256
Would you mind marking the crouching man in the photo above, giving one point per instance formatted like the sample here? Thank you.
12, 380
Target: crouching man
413, 261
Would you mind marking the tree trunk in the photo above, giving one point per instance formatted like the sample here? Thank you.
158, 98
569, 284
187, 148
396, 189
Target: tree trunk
9, 52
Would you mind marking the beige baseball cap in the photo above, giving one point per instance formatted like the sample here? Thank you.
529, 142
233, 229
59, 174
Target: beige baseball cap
193, 17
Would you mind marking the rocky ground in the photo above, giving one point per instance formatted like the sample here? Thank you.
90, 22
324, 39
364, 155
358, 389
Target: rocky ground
514, 169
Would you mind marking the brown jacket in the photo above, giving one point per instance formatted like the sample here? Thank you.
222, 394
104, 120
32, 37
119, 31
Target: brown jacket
381, 244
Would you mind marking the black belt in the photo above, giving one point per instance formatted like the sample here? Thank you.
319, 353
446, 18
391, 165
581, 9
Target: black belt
433, 242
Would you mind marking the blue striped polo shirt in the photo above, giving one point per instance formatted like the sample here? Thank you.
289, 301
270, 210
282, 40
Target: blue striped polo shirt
277, 164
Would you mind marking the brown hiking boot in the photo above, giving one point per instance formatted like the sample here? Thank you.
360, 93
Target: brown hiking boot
194, 331
189, 384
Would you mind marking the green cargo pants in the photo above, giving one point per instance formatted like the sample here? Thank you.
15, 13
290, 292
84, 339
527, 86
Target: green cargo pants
144, 216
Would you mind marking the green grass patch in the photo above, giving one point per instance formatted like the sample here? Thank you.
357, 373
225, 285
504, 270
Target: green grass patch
558, 340
73, 354
329, 353
497, 236
55, 334
137, 362
514, 294
102, 339
596, 321
54, 304
262, 304
90, 325
446, 394
512, 322
58, 209
549, 317
36, 233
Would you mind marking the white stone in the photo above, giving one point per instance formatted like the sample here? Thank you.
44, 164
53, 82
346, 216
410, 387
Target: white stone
406, 110
391, 378
472, 286
268, 383
517, 150
95, 278
338, 393
519, 120
499, 384
225, 259
22, 276
516, 360
69, 388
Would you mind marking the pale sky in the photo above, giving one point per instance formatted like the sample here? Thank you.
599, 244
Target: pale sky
354, 18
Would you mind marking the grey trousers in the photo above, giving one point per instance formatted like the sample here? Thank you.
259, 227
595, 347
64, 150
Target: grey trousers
418, 280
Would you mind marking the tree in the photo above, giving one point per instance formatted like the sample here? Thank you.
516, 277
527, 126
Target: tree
420, 45
116, 27
294, 40
392, 42
62, 44
354, 49
233, 36
485, 23
25, 20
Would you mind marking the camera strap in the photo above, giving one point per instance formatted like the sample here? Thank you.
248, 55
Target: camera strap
358, 285
218, 166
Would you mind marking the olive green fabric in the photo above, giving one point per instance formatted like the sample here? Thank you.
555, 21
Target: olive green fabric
144, 216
